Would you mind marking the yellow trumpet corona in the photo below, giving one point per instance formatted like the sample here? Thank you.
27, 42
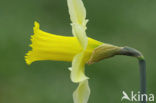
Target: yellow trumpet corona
46, 46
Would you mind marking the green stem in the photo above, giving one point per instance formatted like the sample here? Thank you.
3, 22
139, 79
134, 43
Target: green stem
142, 65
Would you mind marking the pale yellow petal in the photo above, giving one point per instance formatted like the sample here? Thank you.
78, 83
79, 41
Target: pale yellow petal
82, 93
77, 11
77, 71
80, 33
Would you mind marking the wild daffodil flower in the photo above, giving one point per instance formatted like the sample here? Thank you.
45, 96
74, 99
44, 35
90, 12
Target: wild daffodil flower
78, 49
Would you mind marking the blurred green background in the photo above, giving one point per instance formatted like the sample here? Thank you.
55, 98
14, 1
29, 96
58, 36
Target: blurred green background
119, 22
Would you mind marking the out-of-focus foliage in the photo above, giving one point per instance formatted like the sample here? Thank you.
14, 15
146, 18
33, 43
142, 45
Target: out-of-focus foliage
119, 22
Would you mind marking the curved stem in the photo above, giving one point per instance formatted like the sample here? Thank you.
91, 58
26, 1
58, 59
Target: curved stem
142, 64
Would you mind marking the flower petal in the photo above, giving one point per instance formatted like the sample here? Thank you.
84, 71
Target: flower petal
81, 94
77, 11
80, 33
77, 71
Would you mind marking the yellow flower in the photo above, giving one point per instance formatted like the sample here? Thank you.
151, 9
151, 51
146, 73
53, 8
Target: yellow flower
46, 46
79, 49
